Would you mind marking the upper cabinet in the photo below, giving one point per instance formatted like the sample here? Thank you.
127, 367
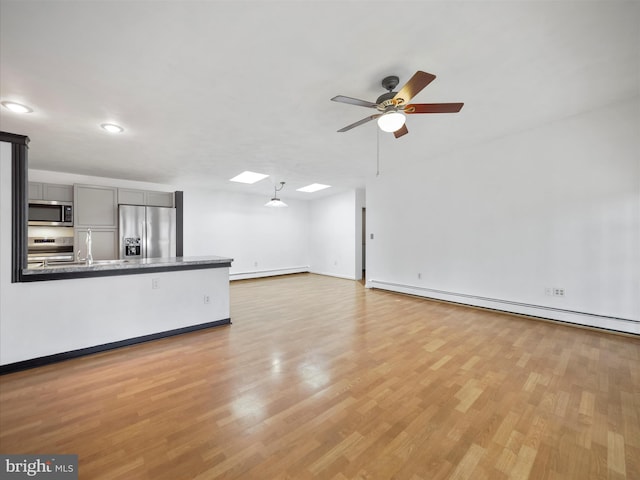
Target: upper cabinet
95, 206
129, 196
159, 199
35, 191
50, 191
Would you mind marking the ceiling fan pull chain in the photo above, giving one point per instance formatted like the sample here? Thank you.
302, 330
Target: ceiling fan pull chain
377, 152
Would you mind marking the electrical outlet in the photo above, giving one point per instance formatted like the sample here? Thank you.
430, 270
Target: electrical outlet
207, 299
155, 283
554, 291
371, 236
255, 264
419, 276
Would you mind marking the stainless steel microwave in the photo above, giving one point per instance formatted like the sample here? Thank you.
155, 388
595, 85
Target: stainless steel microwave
50, 213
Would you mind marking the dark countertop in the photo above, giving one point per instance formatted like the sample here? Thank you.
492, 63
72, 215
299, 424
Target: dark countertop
102, 268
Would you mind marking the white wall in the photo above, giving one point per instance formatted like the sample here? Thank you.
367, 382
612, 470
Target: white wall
262, 241
335, 234
34, 322
556, 206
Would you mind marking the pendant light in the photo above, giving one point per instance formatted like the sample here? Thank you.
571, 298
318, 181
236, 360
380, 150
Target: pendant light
275, 201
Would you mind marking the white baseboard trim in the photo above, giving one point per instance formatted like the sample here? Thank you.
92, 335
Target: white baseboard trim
347, 277
267, 273
580, 318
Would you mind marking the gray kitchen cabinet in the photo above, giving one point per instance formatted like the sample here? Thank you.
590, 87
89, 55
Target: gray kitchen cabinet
104, 243
35, 191
50, 191
95, 206
61, 193
130, 196
159, 199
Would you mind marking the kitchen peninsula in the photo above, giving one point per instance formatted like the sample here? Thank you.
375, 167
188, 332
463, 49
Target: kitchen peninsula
62, 312
101, 268
85, 309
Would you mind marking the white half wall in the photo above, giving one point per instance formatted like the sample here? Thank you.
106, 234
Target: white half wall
501, 223
262, 241
335, 235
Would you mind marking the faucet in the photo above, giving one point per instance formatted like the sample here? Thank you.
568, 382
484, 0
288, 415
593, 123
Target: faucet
89, 258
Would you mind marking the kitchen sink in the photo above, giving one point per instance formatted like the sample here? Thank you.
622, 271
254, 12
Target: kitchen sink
77, 264
59, 264
109, 262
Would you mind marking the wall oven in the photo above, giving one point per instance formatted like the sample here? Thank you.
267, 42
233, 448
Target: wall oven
50, 213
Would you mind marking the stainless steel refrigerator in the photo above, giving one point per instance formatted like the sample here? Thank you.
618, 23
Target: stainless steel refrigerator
146, 232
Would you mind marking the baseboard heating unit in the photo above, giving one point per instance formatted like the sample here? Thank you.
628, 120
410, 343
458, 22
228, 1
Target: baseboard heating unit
624, 325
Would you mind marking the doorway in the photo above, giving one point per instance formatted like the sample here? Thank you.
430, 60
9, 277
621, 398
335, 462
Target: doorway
364, 244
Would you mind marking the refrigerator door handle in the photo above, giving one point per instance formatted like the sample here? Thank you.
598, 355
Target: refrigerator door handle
145, 238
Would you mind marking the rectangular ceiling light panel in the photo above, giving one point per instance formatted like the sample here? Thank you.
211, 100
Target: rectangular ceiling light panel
248, 177
314, 187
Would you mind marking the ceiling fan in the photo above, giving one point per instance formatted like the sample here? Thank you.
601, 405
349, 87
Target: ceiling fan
393, 105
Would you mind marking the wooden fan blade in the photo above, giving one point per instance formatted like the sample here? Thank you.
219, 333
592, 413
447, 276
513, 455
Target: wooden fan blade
433, 108
353, 101
413, 86
401, 131
360, 122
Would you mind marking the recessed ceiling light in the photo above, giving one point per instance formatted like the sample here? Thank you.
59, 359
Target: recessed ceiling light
314, 187
112, 128
248, 177
17, 107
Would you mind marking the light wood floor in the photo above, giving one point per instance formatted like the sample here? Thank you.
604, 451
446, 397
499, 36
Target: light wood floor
319, 378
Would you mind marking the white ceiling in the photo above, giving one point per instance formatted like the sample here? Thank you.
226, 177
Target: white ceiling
208, 89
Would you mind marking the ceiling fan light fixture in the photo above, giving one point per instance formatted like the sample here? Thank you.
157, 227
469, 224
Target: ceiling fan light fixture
391, 121
393, 105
